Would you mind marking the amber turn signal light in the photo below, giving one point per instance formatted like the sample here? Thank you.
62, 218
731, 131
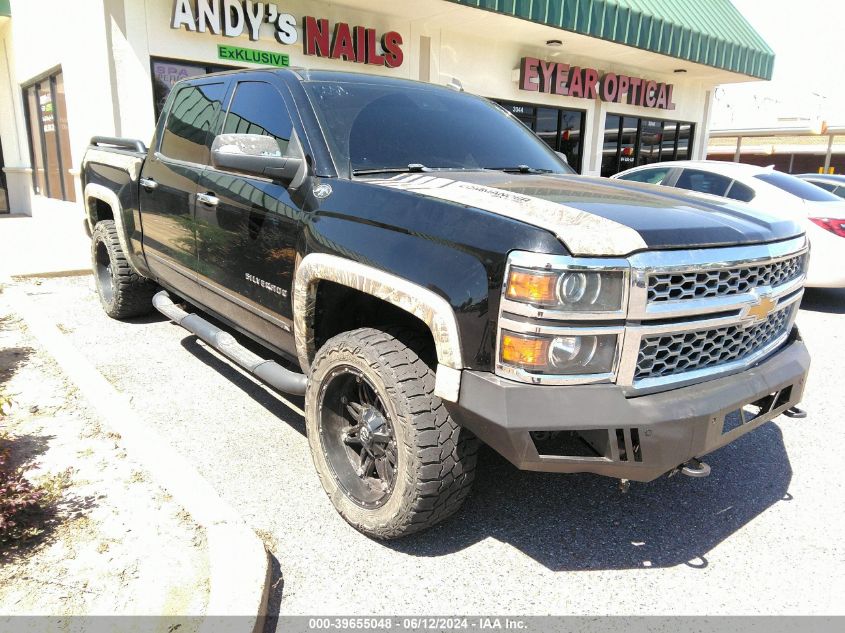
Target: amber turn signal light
531, 286
524, 351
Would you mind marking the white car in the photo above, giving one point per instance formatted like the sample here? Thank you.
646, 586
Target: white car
821, 212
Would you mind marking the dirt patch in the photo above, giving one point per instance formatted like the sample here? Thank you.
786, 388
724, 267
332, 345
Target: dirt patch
113, 543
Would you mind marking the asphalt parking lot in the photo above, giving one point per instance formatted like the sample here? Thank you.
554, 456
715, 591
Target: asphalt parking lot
756, 537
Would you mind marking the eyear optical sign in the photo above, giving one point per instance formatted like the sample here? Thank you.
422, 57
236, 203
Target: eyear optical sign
233, 18
538, 75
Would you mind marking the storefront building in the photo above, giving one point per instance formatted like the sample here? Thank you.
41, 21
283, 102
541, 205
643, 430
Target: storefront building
609, 84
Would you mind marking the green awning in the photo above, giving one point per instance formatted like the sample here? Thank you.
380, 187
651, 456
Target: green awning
710, 32
5, 9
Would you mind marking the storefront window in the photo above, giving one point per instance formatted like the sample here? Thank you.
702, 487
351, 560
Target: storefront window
684, 141
166, 73
628, 143
631, 141
49, 140
651, 132
667, 143
562, 130
610, 147
546, 126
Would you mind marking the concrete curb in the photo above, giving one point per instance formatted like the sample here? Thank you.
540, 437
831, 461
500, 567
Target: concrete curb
238, 562
74, 272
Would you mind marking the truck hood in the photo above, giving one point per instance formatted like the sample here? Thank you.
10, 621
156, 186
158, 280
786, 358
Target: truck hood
601, 217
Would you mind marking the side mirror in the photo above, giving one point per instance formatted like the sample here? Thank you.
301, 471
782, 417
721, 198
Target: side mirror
563, 157
256, 155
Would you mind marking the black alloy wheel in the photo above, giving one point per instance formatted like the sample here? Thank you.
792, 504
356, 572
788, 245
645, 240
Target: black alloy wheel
389, 456
102, 265
123, 292
358, 437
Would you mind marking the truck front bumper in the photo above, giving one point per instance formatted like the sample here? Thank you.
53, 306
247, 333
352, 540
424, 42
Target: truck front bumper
596, 429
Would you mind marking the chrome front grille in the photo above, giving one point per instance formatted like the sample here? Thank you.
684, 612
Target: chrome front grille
671, 354
721, 282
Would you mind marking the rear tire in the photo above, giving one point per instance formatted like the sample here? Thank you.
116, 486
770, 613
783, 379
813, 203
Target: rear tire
123, 292
370, 378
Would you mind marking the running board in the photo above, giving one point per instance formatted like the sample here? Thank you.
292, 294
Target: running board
268, 371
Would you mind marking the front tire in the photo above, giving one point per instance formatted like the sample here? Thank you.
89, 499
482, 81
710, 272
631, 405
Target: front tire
389, 455
123, 292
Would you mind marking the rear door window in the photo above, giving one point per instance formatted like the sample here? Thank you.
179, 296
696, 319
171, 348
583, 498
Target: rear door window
704, 182
654, 176
192, 115
740, 192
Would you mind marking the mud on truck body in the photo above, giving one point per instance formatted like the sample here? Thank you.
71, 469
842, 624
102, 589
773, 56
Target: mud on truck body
430, 275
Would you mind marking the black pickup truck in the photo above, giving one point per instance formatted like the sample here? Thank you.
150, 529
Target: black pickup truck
430, 275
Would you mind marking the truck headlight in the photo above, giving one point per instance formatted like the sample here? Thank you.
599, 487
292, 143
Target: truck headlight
559, 355
567, 290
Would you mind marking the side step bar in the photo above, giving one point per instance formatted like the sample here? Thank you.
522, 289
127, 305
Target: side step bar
268, 371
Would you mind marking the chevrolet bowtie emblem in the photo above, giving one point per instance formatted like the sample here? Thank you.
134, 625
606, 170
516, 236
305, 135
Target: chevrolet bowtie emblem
761, 310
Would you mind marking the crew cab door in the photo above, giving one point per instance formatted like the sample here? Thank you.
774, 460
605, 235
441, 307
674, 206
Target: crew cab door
168, 183
247, 227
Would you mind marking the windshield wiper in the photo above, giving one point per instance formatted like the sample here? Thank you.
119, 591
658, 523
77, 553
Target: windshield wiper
411, 168
520, 169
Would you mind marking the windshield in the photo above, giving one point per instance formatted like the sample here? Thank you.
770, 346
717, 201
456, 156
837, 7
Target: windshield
797, 187
372, 126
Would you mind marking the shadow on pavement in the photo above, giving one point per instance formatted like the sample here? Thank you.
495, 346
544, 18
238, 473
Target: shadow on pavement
829, 300
583, 522
152, 317
36, 527
274, 598
248, 386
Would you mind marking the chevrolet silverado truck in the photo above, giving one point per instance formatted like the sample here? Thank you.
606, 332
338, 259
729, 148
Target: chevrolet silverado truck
430, 275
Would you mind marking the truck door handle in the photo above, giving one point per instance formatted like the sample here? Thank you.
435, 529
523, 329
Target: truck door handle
208, 199
148, 183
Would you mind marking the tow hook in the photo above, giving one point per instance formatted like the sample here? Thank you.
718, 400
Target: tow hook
795, 412
624, 485
695, 468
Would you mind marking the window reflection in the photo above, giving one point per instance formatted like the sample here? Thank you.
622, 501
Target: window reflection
191, 117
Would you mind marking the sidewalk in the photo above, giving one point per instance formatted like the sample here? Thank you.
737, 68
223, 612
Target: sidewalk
238, 567
52, 241
108, 540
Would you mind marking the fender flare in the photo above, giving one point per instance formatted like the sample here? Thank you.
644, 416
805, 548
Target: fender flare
99, 192
429, 307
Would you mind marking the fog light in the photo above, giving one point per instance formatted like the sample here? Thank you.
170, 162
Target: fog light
564, 349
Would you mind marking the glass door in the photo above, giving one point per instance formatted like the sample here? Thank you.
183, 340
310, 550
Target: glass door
49, 142
651, 136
